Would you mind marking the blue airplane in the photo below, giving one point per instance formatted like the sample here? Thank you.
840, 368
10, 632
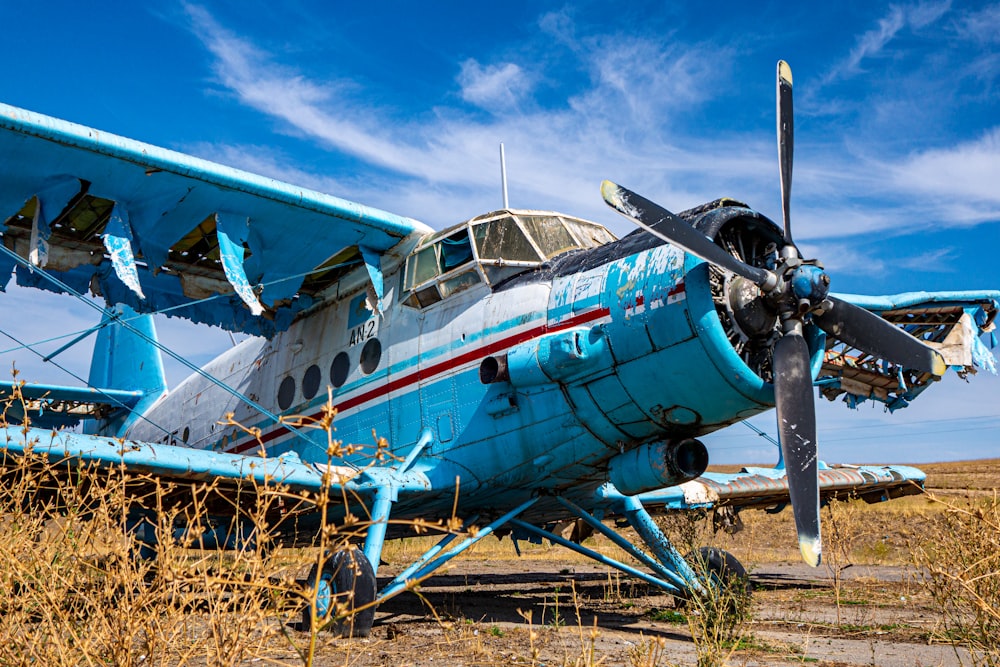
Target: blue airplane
524, 369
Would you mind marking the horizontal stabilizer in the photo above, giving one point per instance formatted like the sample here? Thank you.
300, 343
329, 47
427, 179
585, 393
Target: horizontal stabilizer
52, 406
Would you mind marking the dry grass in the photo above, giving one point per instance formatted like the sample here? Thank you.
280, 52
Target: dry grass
76, 592
81, 588
960, 557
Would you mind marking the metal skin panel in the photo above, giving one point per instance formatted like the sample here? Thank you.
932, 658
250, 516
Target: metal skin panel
545, 436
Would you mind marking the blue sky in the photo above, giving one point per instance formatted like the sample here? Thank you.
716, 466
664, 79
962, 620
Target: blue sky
402, 105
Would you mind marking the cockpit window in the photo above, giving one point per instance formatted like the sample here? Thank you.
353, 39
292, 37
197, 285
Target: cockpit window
550, 234
589, 234
422, 267
440, 269
504, 239
492, 248
455, 251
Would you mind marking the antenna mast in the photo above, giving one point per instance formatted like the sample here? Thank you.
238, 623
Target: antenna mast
503, 176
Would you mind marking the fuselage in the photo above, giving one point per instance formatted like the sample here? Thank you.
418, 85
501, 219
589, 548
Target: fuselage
604, 348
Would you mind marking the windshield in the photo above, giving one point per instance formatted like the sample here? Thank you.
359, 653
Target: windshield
493, 247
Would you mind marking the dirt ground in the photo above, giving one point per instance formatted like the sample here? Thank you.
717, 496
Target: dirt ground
547, 606
543, 612
866, 606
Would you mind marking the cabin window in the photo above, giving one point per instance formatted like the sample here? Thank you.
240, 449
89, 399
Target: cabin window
286, 393
339, 369
371, 354
310, 381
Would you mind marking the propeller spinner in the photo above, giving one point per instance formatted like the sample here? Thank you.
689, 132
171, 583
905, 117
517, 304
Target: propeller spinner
798, 291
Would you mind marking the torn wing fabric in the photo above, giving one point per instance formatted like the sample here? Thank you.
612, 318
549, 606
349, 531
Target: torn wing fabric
155, 229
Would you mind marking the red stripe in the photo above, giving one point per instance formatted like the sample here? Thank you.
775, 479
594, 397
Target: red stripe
437, 369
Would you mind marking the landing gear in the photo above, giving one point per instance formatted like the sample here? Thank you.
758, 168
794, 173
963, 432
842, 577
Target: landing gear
717, 564
346, 583
726, 582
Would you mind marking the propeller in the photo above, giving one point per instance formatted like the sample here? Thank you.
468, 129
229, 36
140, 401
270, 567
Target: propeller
798, 291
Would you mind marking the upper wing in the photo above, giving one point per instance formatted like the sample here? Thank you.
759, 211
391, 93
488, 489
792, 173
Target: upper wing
156, 229
951, 321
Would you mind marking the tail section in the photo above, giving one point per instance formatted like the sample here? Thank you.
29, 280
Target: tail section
126, 357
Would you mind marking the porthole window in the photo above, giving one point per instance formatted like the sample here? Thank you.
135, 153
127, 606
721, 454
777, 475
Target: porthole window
310, 381
371, 354
186, 434
286, 393
339, 369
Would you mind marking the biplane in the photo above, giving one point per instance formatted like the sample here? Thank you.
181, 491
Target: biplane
524, 368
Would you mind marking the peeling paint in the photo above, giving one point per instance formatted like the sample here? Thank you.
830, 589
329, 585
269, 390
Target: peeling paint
696, 493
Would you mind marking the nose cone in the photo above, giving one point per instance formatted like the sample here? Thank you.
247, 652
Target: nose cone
810, 283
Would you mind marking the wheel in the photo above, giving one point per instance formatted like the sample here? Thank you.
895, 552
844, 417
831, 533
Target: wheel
347, 571
727, 603
718, 564
721, 568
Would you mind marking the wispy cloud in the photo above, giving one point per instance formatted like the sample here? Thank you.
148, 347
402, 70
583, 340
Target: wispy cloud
962, 179
493, 87
980, 24
937, 260
627, 125
871, 43
844, 259
557, 155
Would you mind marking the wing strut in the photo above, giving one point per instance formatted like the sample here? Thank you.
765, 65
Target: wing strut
373, 263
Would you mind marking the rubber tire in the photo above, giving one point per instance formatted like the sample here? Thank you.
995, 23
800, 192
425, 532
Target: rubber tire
346, 570
719, 563
721, 566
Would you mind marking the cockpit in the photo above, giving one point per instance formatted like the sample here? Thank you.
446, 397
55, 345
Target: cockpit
491, 249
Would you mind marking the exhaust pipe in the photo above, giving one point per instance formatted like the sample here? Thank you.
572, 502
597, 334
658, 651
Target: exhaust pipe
658, 464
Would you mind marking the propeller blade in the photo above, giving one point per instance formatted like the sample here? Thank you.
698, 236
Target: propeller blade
662, 223
868, 332
786, 143
797, 432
